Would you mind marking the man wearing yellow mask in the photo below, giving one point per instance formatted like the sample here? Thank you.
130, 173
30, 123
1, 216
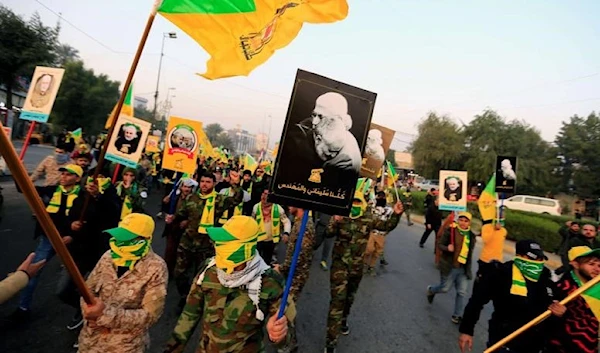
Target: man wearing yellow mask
455, 264
130, 285
520, 291
347, 258
235, 295
202, 211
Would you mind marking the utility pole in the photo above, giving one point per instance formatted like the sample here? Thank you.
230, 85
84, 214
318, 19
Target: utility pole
171, 35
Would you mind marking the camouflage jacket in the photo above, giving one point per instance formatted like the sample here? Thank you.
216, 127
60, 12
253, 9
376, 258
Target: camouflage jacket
134, 302
354, 233
192, 211
137, 194
308, 241
227, 315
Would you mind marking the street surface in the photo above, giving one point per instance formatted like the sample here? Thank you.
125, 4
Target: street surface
390, 315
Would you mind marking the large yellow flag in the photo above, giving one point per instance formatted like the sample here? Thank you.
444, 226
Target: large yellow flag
240, 35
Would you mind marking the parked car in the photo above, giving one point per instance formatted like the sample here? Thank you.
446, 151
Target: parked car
533, 204
427, 185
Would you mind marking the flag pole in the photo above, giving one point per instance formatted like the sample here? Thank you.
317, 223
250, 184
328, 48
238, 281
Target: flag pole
26, 185
27, 138
290, 278
119, 106
543, 316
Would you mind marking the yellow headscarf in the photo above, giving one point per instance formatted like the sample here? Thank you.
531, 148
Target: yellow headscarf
235, 242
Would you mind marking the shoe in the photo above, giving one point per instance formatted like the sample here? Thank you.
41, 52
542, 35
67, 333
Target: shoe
76, 345
430, 295
76, 322
324, 265
371, 271
329, 349
345, 330
456, 319
382, 262
410, 224
421, 246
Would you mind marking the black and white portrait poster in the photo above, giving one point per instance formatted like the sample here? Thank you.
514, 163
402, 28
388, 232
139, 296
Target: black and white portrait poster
379, 140
506, 175
322, 144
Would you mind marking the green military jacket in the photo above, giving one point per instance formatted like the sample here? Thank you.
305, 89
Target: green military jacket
137, 195
192, 211
227, 315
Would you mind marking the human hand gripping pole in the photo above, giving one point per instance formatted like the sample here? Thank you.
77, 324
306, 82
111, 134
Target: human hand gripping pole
290, 277
543, 316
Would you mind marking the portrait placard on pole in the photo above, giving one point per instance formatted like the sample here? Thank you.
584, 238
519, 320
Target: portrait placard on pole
453, 190
378, 144
321, 148
182, 144
126, 144
42, 93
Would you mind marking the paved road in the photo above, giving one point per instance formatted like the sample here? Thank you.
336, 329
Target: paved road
34, 155
391, 313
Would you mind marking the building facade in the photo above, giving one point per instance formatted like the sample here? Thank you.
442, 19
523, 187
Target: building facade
243, 141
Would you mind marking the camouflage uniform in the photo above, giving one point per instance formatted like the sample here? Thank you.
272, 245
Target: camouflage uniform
304, 258
134, 302
227, 315
347, 264
302, 266
194, 248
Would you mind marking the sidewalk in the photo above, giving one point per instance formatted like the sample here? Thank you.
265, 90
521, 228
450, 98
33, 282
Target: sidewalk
553, 262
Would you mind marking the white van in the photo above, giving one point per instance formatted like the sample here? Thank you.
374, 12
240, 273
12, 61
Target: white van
533, 204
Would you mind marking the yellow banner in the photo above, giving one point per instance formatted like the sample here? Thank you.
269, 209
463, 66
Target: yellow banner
152, 144
182, 144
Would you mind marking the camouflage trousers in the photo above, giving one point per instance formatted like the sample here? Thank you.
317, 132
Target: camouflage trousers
346, 274
187, 266
301, 273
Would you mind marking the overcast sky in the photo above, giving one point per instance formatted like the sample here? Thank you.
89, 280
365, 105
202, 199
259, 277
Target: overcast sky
530, 60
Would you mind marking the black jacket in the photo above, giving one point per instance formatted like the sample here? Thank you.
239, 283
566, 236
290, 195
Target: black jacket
433, 216
510, 311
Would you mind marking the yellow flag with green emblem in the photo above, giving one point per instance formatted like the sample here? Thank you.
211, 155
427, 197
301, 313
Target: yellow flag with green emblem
240, 35
487, 200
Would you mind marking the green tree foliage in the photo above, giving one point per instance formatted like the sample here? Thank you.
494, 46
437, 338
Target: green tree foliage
23, 46
391, 156
578, 143
442, 145
66, 53
84, 99
213, 131
439, 146
224, 141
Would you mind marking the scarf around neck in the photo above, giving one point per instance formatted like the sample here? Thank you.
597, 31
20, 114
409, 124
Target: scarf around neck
275, 223
56, 201
524, 269
208, 213
250, 277
464, 250
128, 253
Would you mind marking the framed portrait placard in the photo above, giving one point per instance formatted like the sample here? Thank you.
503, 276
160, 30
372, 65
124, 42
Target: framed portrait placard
453, 190
378, 143
182, 144
320, 152
42, 93
153, 144
506, 175
128, 141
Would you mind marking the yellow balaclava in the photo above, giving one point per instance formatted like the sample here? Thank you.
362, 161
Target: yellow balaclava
235, 242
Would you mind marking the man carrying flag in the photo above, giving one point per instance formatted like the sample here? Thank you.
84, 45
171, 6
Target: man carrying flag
576, 331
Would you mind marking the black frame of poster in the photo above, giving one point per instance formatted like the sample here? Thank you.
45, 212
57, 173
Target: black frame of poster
361, 104
503, 193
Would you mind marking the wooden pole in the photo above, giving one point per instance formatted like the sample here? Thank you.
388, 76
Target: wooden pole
26, 185
27, 138
543, 316
117, 111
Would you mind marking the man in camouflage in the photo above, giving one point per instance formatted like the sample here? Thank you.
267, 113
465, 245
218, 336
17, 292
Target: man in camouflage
202, 210
347, 259
302, 266
233, 295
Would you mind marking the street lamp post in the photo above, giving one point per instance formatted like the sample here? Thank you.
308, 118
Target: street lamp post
171, 35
